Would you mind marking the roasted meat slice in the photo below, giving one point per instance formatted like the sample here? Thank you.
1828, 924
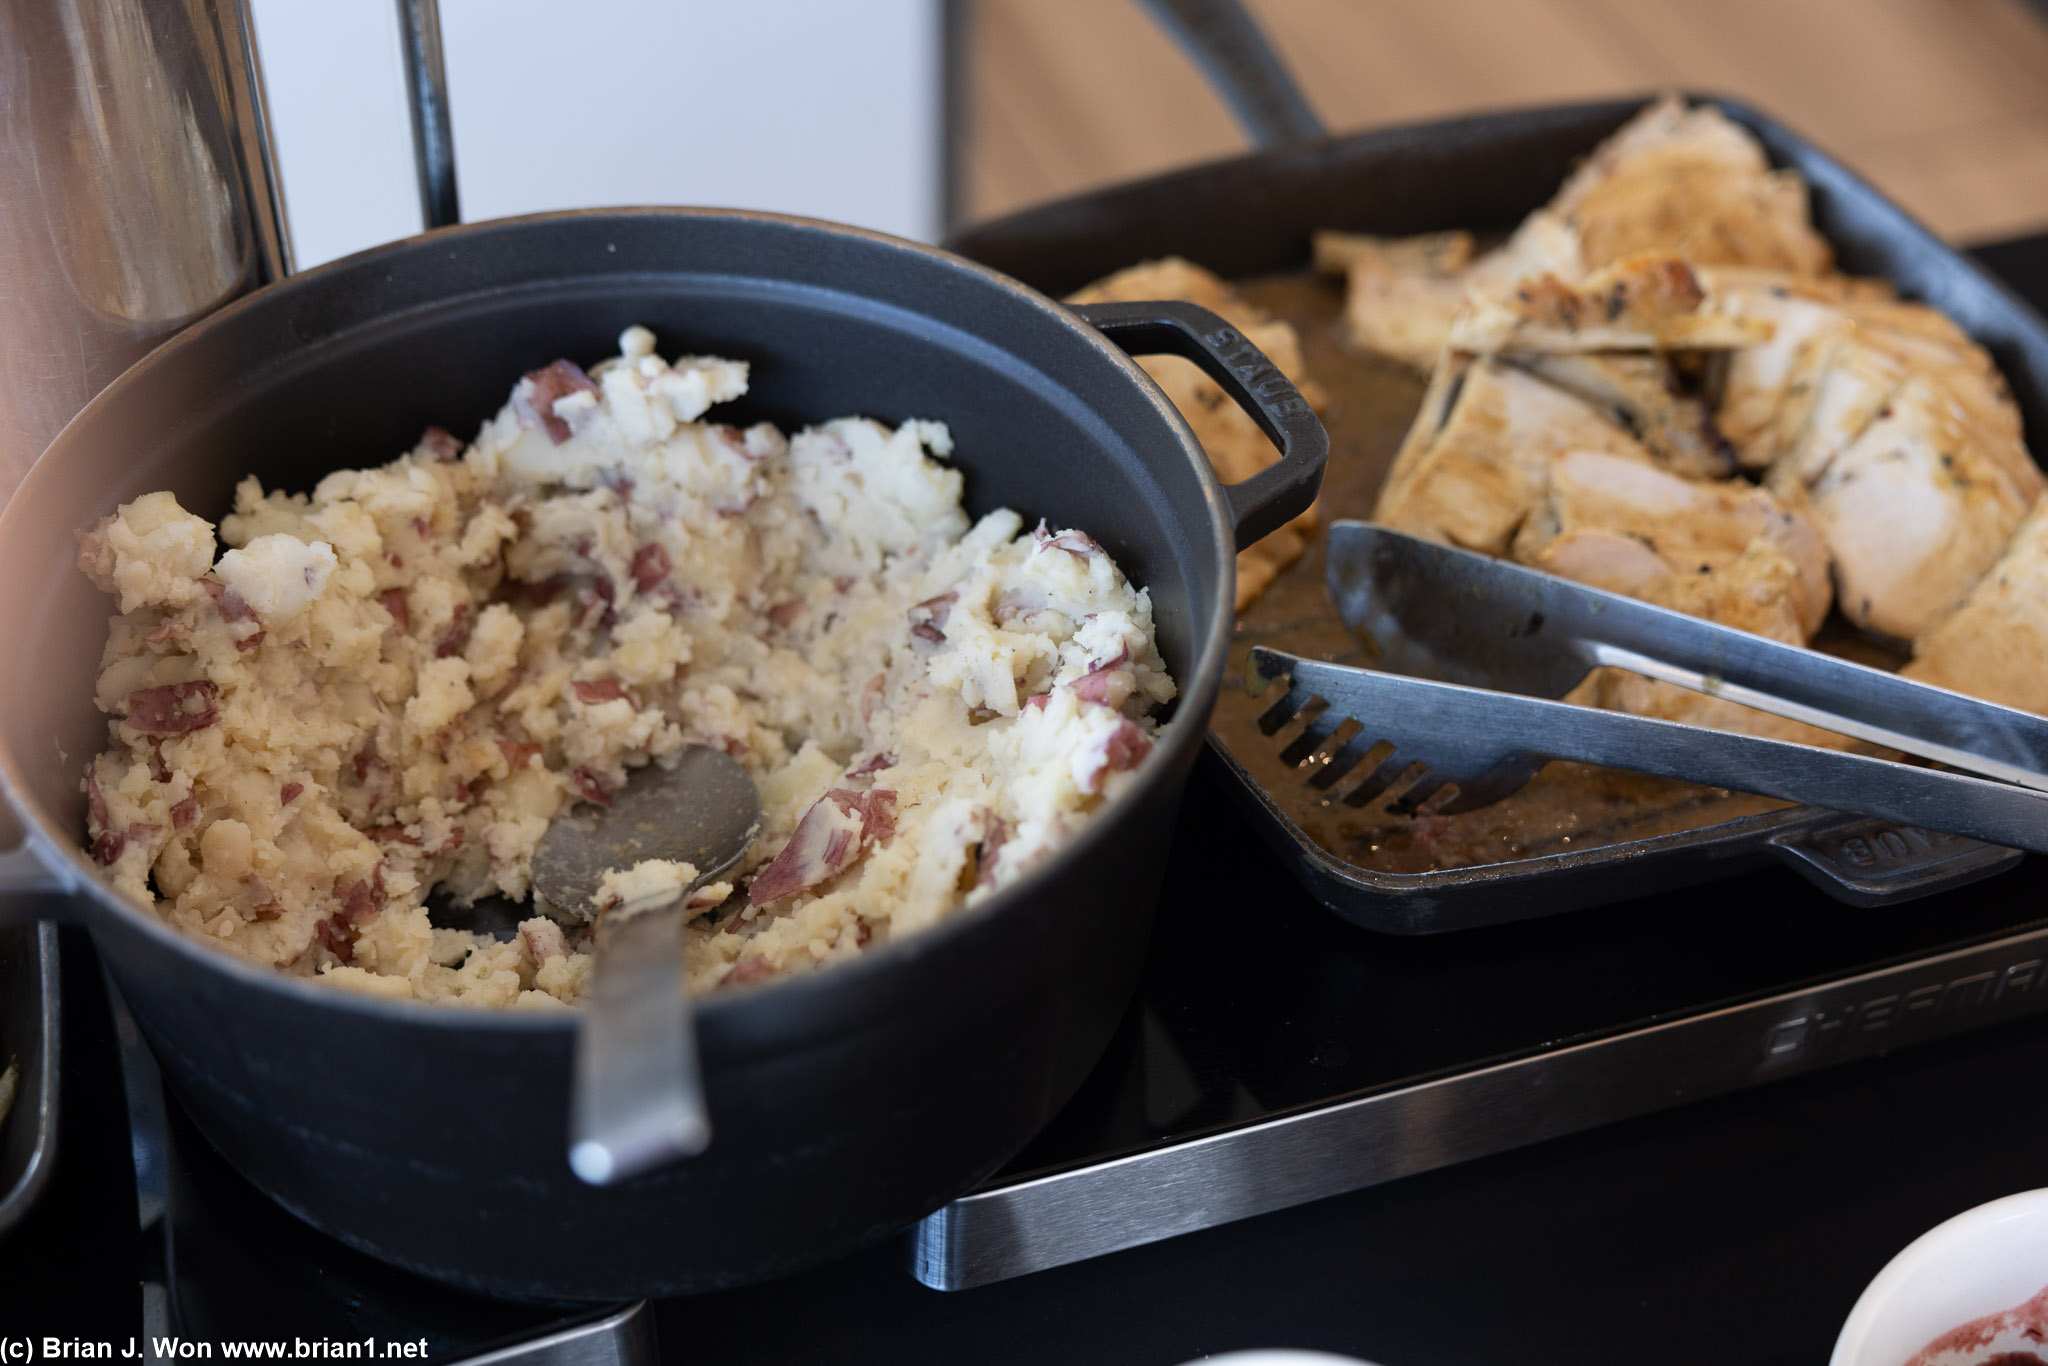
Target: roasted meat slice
1648, 302
1477, 461
1674, 182
1916, 508
1699, 547
1397, 302
1643, 395
1798, 401
1724, 551
1838, 385
1994, 644
1429, 253
1402, 292
1691, 183
1755, 382
1894, 428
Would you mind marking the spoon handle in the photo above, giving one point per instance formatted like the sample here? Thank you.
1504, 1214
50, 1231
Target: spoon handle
638, 1100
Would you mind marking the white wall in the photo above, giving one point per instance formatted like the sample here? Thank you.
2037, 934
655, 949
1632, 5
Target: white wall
341, 133
822, 107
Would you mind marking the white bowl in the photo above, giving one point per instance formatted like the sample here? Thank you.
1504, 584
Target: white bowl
1983, 1261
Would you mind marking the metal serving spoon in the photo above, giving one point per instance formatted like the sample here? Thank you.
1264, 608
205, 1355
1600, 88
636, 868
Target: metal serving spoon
638, 1099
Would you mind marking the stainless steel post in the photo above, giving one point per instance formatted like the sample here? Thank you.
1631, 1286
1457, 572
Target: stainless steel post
426, 88
136, 194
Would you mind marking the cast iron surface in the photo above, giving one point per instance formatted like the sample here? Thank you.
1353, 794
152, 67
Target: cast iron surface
849, 1102
1255, 215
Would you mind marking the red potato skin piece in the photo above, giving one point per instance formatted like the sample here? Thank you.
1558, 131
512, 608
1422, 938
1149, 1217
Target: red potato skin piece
821, 846
518, 752
1077, 543
173, 708
184, 811
441, 443
1017, 604
541, 946
873, 766
928, 618
806, 860
590, 788
393, 601
592, 692
359, 899
286, 793
1096, 685
334, 936
1126, 746
546, 591
875, 807
536, 405
231, 605
596, 604
991, 845
753, 969
456, 636
650, 566
871, 696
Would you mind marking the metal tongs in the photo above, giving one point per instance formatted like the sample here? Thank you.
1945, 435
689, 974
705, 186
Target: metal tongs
1468, 650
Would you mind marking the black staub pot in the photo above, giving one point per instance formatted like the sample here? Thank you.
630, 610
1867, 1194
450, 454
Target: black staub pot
845, 1104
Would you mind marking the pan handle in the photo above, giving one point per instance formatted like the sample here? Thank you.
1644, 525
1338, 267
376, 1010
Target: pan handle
1863, 861
1225, 42
1282, 491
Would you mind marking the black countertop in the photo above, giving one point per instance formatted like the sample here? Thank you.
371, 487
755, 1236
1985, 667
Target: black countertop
1741, 1228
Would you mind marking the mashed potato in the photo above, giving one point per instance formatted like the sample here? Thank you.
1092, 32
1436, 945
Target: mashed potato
396, 682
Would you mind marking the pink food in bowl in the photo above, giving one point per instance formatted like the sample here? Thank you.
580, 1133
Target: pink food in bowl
2012, 1337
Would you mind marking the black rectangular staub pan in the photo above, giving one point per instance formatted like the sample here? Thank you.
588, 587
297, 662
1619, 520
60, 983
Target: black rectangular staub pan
1255, 216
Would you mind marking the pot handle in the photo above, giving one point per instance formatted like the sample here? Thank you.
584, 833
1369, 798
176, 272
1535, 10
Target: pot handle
1864, 861
29, 888
1279, 493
